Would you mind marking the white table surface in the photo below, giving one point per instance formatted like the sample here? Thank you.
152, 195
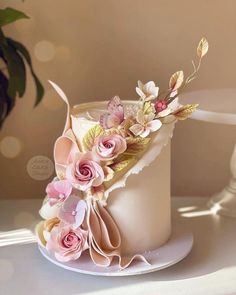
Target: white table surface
210, 268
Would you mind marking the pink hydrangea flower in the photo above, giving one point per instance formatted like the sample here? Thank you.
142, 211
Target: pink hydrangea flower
108, 147
145, 124
58, 190
85, 172
72, 211
67, 243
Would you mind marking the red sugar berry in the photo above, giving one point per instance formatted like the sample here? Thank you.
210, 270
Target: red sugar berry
160, 105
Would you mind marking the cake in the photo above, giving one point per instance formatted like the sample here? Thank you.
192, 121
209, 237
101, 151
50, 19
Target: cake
111, 193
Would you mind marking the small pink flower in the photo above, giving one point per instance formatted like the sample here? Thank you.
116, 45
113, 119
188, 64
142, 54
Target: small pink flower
67, 243
72, 211
145, 125
108, 147
85, 172
58, 190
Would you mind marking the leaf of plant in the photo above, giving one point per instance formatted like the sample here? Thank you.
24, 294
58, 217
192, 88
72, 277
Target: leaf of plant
10, 15
185, 111
24, 52
202, 47
148, 108
176, 80
16, 70
91, 135
122, 162
136, 145
6, 102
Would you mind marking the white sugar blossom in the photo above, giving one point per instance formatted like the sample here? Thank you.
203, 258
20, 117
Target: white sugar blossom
148, 91
145, 124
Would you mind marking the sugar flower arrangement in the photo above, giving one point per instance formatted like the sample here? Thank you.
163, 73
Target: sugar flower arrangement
74, 210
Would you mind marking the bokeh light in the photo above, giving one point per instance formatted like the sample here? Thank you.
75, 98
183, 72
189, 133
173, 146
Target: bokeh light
44, 51
10, 147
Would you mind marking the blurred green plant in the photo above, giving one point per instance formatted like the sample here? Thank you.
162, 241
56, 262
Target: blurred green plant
14, 56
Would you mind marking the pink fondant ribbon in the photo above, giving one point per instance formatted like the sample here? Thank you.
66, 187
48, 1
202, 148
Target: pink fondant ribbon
64, 149
65, 99
104, 238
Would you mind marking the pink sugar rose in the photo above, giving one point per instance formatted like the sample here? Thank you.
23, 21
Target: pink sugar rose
85, 172
58, 190
67, 243
108, 147
72, 211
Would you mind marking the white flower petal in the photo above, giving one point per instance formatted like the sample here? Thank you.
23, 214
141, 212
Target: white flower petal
145, 133
140, 84
155, 91
47, 211
174, 105
154, 125
140, 92
148, 86
164, 113
136, 129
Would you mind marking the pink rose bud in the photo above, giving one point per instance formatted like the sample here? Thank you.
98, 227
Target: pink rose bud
160, 105
108, 147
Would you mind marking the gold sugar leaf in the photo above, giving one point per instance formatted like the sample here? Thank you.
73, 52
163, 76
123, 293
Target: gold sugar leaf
202, 47
185, 111
136, 145
122, 162
176, 80
148, 108
50, 223
91, 135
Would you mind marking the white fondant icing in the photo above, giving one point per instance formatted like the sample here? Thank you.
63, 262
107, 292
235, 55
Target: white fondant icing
139, 201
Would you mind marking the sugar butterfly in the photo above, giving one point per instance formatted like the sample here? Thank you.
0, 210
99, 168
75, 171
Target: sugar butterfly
114, 115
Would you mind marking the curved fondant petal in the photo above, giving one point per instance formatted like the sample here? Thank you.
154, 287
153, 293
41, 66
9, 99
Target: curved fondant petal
105, 239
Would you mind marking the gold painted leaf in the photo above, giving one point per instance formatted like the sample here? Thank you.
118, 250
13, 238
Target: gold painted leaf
91, 135
122, 162
185, 111
136, 145
202, 47
176, 80
148, 108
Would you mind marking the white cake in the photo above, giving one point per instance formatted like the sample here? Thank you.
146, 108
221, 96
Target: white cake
141, 208
111, 193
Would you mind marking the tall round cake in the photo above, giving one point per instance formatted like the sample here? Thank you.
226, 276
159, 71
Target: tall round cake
111, 194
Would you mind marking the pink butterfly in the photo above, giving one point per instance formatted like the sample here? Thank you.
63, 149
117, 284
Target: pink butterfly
115, 115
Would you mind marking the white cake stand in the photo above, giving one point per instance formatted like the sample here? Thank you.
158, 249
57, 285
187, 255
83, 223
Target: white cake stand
177, 248
218, 106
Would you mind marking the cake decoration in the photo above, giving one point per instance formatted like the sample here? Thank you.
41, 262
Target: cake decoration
93, 157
